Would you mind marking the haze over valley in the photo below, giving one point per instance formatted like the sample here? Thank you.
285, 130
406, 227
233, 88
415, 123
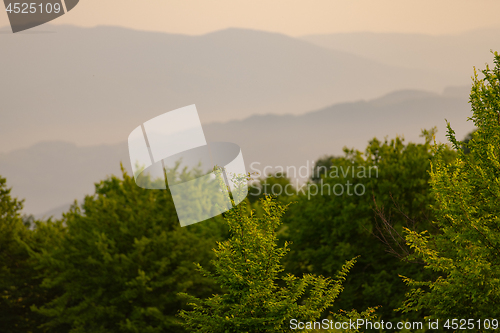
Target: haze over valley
286, 101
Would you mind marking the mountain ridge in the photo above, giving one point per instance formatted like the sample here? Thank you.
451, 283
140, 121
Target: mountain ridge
106, 80
450, 52
68, 171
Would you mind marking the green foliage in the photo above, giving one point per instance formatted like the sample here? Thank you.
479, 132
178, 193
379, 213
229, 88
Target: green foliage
353, 315
14, 312
19, 280
465, 142
329, 227
122, 262
257, 296
277, 184
466, 252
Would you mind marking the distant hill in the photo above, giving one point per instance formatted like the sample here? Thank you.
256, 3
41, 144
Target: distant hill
456, 53
292, 140
94, 85
53, 174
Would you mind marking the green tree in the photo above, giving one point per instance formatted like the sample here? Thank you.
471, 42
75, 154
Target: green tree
331, 223
277, 184
19, 280
256, 295
15, 315
466, 252
122, 262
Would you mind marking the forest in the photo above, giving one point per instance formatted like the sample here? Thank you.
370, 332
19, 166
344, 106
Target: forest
416, 239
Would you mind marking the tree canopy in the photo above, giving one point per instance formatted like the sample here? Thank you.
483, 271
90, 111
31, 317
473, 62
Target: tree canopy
123, 260
465, 254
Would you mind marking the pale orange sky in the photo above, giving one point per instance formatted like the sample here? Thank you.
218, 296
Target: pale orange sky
291, 17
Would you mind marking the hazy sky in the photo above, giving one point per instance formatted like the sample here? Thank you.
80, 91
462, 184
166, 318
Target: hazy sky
292, 17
